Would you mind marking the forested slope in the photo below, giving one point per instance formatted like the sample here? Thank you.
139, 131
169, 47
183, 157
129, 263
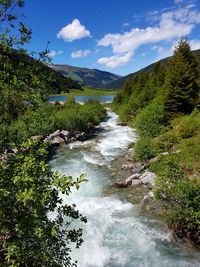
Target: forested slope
163, 105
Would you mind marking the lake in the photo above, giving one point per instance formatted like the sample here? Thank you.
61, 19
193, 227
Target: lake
83, 99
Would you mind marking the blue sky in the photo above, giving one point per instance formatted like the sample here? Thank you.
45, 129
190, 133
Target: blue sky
121, 36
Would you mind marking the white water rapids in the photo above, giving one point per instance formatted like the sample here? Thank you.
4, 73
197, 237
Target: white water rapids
116, 234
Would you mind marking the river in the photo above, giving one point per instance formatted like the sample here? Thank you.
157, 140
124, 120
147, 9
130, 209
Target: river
117, 233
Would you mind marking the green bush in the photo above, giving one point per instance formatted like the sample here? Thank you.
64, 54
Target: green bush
188, 125
150, 122
180, 197
76, 117
145, 149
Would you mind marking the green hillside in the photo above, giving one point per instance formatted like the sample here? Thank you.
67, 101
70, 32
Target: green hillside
56, 83
87, 77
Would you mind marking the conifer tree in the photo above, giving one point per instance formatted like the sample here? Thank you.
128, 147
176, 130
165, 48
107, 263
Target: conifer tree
181, 88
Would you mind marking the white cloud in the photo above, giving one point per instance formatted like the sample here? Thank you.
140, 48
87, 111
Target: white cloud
172, 24
80, 53
73, 31
195, 44
54, 53
116, 60
158, 48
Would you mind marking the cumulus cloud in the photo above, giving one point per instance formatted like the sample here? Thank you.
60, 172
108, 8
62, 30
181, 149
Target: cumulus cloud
172, 24
54, 53
73, 31
116, 60
80, 53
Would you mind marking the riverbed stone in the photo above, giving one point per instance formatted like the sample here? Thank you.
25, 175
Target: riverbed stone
148, 198
136, 183
55, 134
65, 133
132, 177
148, 178
57, 141
138, 168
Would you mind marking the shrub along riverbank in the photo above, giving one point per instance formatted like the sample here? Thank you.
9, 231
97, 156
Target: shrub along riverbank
163, 106
47, 118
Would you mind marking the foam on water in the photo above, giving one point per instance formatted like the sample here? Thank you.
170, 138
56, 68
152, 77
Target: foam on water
116, 235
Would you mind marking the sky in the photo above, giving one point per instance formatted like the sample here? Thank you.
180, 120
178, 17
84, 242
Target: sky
120, 36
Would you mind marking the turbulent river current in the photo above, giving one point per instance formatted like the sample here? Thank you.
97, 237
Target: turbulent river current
117, 233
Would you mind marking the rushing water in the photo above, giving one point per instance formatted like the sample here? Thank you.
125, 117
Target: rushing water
117, 234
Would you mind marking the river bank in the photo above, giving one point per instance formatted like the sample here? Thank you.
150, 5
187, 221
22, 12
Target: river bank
118, 232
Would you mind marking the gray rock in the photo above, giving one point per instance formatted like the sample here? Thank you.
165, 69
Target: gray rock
65, 133
147, 199
55, 134
57, 140
136, 183
138, 168
148, 178
132, 177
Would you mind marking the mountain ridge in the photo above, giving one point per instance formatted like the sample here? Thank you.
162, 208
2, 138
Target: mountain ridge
120, 82
85, 76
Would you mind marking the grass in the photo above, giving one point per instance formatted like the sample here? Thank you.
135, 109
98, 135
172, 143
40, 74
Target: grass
88, 92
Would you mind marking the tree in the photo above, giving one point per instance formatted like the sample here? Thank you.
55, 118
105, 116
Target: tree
13, 32
30, 235
181, 82
35, 226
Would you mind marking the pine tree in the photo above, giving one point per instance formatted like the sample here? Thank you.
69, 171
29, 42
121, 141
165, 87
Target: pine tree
180, 86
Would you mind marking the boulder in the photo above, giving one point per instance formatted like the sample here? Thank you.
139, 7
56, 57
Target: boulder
132, 177
147, 199
136, 183
65, 133
55, 134
148, 178
138, 168
57, 141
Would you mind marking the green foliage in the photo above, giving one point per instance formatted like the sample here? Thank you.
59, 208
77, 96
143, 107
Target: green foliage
145, 148
47, 118
137, 93
182, 90
13, 32
76, 117
187, 126
150, 122
34, 230
180, 197
149, 102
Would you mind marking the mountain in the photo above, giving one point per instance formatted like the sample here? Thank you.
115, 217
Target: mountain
120, 82
57, 84
87, 77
